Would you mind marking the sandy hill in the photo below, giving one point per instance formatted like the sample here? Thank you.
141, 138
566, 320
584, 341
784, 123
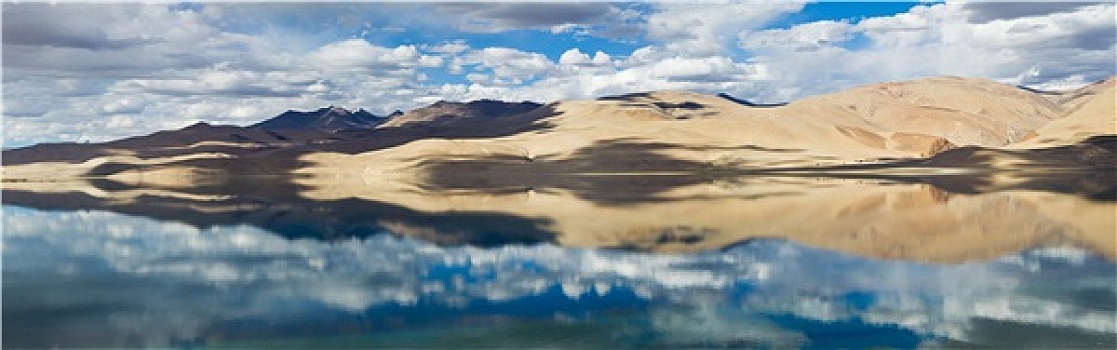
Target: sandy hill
1085, 136
966, 112
328, 119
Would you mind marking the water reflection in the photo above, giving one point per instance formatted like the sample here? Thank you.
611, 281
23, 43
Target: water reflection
101, 279
915, 219
792, 261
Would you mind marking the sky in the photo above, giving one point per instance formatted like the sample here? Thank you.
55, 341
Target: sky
76, 72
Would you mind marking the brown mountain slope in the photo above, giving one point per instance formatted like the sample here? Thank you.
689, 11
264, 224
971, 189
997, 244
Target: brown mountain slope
1090, 113
1084, 137
966, 112
444, 113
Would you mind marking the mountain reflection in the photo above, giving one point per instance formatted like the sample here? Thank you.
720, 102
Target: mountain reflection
941, 218
94, 278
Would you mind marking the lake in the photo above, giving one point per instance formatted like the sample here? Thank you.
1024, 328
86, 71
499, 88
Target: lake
598, 262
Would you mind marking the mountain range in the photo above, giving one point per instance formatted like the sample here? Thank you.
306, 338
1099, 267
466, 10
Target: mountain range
953, 121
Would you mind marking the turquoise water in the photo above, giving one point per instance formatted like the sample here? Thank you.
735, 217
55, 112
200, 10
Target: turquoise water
93, 278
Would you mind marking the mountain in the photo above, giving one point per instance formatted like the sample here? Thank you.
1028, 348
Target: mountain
966, 112
442, 113
329, 119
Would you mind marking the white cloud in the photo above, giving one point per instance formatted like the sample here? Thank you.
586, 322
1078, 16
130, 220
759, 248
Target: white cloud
453, 48
805, 37
514, 65
357, 53
710, 28
714, 68
575, 57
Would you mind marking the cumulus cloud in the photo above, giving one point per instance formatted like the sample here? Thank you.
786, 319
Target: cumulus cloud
575, 57
510, 65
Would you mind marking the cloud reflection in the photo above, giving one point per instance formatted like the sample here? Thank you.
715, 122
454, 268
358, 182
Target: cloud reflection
94, 278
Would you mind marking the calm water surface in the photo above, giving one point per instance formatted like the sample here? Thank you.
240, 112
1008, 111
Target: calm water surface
95, 271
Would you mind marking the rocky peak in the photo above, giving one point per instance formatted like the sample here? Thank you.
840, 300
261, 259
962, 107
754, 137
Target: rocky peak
330, 119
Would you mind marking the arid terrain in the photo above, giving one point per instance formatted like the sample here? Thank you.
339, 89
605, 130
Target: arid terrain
665, 131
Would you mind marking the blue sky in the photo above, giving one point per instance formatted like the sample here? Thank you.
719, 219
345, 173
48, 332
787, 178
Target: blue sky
109, 71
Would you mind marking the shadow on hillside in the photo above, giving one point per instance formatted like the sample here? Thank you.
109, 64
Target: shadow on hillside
272, 160
359, 141
1098, 152
677, 110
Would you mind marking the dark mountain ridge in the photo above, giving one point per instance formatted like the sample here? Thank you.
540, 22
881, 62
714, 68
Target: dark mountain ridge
328, 119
